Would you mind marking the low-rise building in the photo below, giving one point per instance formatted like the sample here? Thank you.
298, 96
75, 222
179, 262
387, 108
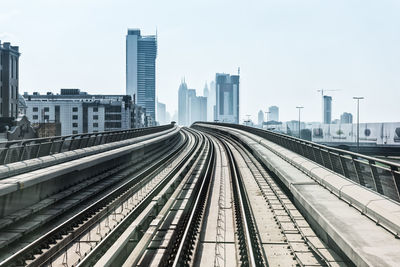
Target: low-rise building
79, 112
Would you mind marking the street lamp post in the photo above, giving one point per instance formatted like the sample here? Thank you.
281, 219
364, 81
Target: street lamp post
299, 108
358, 121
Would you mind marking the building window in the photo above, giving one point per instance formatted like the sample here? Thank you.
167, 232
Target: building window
46, 117
113, 109
35, 109
74, 132
113, 117
35, 117
95, 109
74, 117
46, 109
95, 117
75, 125
95, 124
74, 109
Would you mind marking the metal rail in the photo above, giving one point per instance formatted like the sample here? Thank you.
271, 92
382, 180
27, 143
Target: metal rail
18, 150
178, 241
191, 230
256, 167
244, 217
376, 174
99, 250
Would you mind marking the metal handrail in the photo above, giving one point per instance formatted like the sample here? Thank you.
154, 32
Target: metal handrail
18, 150
377, 174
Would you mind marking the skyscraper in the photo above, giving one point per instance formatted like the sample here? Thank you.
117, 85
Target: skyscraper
141, 53
227, 97
327, 104
183, 104
273, 113
260, 117
211, 102
9, 68
206, 91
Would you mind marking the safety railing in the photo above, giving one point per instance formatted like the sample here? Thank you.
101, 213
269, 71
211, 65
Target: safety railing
379, 175
18, 150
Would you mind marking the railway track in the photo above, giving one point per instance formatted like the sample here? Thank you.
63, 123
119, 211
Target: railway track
50, 245
201, 200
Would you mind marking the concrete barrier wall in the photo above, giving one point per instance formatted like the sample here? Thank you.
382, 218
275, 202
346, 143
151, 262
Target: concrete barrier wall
24, 190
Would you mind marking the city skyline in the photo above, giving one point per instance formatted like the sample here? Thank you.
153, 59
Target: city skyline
286, 73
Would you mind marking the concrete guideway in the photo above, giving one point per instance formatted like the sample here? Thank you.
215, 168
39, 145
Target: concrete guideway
210, 195
351, 229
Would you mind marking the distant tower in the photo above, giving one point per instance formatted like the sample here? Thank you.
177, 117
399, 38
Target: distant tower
205, 91
227, 97
346, 118
183, 102
260, 117
211, 102
141, 53
273, 113
327, 109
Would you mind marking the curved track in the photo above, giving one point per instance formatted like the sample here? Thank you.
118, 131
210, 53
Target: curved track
202, 199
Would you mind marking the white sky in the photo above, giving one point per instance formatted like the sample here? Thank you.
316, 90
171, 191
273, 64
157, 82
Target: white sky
286, 49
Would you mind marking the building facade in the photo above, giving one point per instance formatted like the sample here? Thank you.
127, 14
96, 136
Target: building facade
141, 53
9, 74
327, 107
273, 113
227, 98
79, 112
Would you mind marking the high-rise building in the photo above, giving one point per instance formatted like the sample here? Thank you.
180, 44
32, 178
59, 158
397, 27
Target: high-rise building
206, 92
327, 104
9, 68
161, 113
183, 104
260, 117
141, 53
227, 97
211, 103
191, 107
273, 113
346, 118
197, 107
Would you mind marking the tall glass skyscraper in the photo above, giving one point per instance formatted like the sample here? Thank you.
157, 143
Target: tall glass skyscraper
327, 116
227, 98
141, 53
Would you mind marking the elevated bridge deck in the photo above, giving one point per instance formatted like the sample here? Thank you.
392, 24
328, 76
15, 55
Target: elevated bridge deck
209, 195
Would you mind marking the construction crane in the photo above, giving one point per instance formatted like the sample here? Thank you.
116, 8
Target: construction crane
330, 90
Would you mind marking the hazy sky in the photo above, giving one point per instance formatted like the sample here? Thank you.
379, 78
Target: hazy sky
286, 50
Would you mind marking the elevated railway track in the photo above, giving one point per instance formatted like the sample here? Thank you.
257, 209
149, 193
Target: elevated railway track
209, 195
